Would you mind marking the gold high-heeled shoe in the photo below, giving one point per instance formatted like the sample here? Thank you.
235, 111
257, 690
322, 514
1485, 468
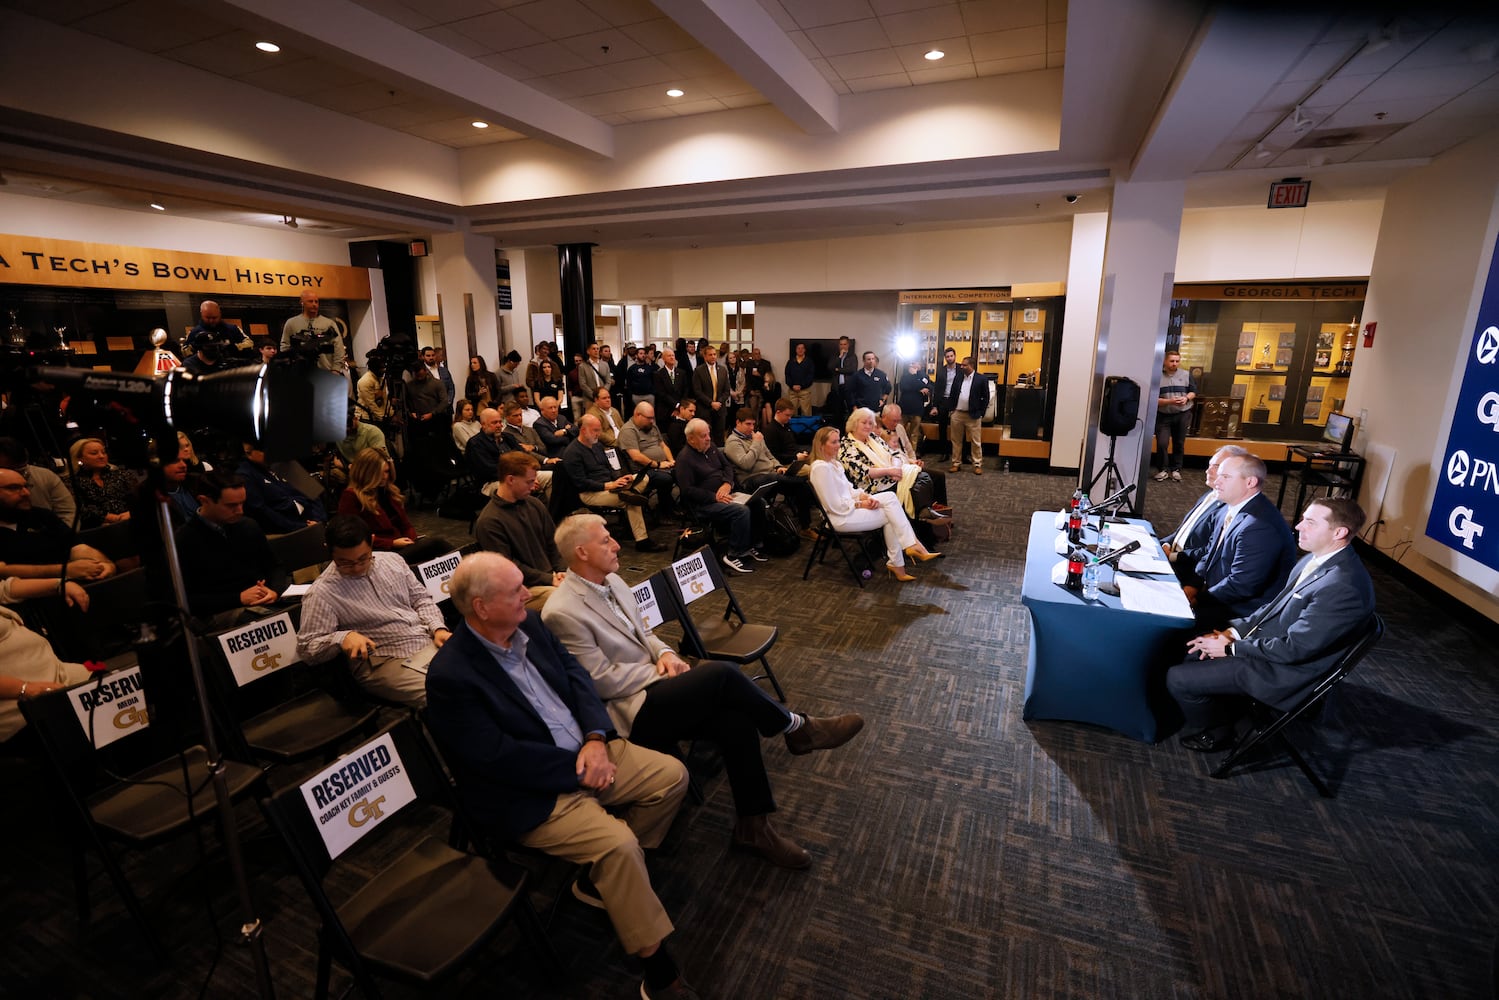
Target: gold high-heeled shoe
922, 555
899, 572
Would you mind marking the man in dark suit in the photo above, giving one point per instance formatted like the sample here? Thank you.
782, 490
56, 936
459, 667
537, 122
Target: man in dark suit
843, 367
710, 387
537, 760
1251, 551
1277, 653
673, 383
1192, 537
938, 410
967, 400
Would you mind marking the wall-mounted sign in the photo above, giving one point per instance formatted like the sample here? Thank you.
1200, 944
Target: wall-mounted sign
36, 260
1293, 192
955, 295
1296, 292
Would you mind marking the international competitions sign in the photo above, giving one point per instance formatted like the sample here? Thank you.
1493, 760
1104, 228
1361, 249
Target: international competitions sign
112, 707
357, 794
258, 650
436, 574
1465, 507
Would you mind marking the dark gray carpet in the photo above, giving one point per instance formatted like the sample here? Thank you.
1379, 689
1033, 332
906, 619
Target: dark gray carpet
959, 851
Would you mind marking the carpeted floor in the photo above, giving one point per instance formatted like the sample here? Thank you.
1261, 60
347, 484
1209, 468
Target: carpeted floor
959, 851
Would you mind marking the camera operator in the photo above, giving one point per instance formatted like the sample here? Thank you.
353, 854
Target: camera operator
308, 335
233, 346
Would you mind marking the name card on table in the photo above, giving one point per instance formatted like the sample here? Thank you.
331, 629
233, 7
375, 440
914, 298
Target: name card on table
436, 573
112, 708
257, 650
693, 577
357, 793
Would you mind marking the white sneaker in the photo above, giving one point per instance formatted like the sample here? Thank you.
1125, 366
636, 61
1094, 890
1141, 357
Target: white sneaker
737, 564
758, 556
1160, 477
1176, 475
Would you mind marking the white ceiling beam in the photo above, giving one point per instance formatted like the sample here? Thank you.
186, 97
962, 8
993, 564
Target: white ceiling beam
361, 39
745, 37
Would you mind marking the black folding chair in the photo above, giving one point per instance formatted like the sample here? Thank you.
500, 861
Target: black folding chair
166, 789
420, 919
732, 637
1273, 721
117, 541
300, 549
829, 536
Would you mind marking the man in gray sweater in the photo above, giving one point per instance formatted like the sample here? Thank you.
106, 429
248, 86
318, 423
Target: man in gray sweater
517, 526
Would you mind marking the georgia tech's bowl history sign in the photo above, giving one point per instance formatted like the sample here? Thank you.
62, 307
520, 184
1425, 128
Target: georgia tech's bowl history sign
35, 260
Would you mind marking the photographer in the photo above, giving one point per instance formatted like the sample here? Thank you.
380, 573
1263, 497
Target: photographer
308, 335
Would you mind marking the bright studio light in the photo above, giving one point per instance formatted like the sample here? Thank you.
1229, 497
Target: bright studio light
905, 346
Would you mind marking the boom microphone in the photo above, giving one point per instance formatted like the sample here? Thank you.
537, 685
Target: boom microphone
1117, 500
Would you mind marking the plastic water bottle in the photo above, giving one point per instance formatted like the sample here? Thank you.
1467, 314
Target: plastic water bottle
1105, 545
1090, 580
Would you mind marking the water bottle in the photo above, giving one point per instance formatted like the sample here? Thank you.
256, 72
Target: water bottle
1090, 580
1105, 544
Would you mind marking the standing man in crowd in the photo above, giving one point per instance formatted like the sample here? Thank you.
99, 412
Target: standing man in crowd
1173, 416
967, 399
510, 377
310, 333
593, 375
640, 380
800, 374
710, 388
1276, 654
844, 366
673, 383
915, 400
518, 526
870, 386
233, 345
946, 376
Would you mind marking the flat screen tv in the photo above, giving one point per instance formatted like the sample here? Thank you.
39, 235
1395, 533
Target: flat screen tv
822, 351
1339, 432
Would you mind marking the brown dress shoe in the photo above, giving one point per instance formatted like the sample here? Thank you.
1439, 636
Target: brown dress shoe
755, 835
824, 733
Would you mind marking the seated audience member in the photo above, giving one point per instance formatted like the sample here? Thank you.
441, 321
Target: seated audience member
276, 505
705, 478
1193, 536
1276, 654
371, 606
892, 428
226, 562
28, 667
518, 526
481, 387
15, 589
48, 491
195, 465
870, 467
641, 440
523, 438
485, 448
373, 497
465, 424
361, 435
746, 448
530, 413
610, 422
35, 544
675, 431
781, 439
554, 426
1252, 548
604, 477
659, 701
855, 510
103, 491
536, 760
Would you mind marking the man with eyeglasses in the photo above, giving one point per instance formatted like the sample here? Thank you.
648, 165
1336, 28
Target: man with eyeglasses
34, 543
48, 491
372, 608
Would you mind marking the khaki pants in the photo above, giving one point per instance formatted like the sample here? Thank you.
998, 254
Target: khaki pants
912, 425
635, 514
802, 399
539, 597
650, 786
971, 428
384, 677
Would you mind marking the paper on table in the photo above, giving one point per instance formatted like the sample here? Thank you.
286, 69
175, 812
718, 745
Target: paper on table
1155, 597
1144, 561
296, 590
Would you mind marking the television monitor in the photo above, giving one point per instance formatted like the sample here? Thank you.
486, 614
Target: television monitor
1338, 432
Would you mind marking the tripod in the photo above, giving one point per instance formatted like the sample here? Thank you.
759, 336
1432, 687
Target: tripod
1113, 478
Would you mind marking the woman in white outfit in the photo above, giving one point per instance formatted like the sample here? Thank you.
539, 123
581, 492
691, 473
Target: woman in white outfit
855, 510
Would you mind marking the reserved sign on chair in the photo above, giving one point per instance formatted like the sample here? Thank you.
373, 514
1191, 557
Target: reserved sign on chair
357, 794
256, 650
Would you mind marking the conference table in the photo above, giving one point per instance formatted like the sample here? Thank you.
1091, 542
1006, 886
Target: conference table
1098, 661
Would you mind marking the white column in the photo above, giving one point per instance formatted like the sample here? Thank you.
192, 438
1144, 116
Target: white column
465, 267
1079, 339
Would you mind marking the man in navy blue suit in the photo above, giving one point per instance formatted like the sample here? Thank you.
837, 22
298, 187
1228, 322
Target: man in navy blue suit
1251, 551
1285, 647
537, 760
1192, 537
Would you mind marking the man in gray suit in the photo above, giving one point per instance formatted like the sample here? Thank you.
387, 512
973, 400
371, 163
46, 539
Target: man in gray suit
658, 700
1277, 653
710, 387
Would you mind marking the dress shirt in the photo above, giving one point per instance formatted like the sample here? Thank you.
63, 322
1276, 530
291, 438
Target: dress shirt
388, 605
552, 709
965, 383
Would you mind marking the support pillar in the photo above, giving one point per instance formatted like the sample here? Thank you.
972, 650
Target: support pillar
466, 297
576, 263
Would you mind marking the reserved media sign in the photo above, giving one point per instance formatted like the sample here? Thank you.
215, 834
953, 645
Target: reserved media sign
1465, 508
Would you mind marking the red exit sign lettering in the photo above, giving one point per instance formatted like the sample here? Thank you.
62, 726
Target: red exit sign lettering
1290, 193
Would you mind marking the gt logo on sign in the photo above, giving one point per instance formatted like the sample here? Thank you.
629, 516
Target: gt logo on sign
1488, 410
1460, 522
130, 718
365, 810
1486, 348
266, 661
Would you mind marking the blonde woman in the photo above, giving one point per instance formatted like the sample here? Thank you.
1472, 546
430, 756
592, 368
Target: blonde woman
104, 492
372, 496
871, 467
855, 510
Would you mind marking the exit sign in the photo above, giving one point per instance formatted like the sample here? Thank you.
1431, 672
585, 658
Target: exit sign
1293, 192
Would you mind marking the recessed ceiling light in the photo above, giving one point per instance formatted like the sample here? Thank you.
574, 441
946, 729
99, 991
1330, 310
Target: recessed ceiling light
268, 46
479, 124
158, 206
935, 54
675, 92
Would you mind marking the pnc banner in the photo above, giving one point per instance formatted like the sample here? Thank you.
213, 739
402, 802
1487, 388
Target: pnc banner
435, 574
258, 650
36, 260
112, 707
357, 793
1465, 507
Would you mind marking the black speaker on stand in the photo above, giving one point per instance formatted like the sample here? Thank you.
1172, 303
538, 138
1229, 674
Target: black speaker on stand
1117, 415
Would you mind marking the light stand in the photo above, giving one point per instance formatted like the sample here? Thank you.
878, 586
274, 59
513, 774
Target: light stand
1115, 478
250, 930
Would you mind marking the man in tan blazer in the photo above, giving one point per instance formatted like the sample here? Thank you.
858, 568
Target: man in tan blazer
658, 700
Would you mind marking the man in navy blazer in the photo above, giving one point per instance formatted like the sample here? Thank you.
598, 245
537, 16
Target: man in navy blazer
537, 760
1251, 551
1192, 537
1284, 648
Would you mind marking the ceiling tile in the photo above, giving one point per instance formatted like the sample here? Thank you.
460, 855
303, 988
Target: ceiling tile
357, 97
649, 114
644, 72
499, 31
393, 117
547, 59
1056, 36
1009, 44
887, 82
592, 45
621, 101
621, 12
806, 45
1441, 81
61, 11
1055, 60
1017, 64
855, 65
752, 100
400, 13
1454, 43
826, 69
660, 35
922, 26
1338, 91
1474, 103
721, 85
1001, 15
1317, 61
1358, 113
816, 13
1378, 57
229, 55
684, 108
913, 57
853, 36
941, 74
444, 11
305, 76
884, 7
778, 14
613, 119
1056, 10
582, 82
559, 18
694, 62
151, 25
1254, 125
464, 45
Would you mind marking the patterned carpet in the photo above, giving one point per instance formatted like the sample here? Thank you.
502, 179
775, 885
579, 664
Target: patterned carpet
959, 851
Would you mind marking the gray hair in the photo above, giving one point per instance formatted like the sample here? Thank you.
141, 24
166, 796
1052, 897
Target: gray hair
857, 417
573, 532
695, 426
474, 580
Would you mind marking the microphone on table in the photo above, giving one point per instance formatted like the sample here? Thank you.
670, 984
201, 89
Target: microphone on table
1117, 500
1112, 559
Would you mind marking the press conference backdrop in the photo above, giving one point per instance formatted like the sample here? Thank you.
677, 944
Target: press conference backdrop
1465, 506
